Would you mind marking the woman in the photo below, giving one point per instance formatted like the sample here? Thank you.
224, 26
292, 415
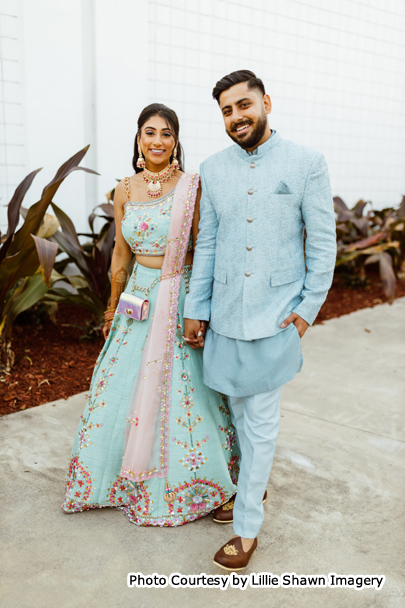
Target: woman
147, 399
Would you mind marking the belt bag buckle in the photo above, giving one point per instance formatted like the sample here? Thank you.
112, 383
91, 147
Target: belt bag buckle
133, 307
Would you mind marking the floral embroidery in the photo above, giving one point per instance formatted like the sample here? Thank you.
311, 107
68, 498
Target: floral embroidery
84, 440
101, 378
93, 407
134, 496
78, 478
233, 468
230, 437
197, 493
101, 383
143, 235
193, 460
194, 494
197, 498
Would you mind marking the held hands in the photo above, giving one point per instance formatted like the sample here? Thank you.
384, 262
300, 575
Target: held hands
194, 332
299, 323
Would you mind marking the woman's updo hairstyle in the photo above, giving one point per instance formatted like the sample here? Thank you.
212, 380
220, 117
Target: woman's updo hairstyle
158, 109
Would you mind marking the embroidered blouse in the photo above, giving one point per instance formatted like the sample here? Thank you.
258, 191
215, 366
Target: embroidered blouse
145, 225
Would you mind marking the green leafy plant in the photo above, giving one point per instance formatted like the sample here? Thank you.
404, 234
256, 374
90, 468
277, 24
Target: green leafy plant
376, 237
27, 255
93, 259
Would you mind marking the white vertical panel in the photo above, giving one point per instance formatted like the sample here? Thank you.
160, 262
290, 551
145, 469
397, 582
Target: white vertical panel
89, 100
121, 29
12, 137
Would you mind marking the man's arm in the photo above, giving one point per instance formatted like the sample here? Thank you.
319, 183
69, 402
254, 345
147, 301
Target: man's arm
320, 245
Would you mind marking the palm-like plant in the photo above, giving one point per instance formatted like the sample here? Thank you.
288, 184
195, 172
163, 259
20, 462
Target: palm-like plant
378, 236
93, 259
27, 255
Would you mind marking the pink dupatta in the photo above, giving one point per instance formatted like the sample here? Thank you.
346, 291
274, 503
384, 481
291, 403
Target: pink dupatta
146, 435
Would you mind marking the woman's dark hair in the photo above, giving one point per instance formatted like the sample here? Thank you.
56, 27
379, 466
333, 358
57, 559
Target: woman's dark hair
170, 116
235, 78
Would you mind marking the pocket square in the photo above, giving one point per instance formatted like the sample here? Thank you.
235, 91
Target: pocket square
282, 188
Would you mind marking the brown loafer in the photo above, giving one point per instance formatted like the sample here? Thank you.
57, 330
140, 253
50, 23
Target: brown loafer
231, 556
224, 513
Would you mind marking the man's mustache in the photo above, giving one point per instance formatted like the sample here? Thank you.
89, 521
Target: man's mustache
241, 124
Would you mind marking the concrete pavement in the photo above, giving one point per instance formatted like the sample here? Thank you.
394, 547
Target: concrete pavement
336, 493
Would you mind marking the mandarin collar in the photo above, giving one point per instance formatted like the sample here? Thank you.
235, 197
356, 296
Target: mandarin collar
273, 140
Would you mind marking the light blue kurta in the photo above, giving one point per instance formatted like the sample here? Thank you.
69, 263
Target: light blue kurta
240, 368
203, 456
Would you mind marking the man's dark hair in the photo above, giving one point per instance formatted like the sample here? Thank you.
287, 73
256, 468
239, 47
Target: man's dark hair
235, 78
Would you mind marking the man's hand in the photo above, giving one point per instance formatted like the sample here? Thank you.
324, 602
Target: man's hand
299, 323
194, 332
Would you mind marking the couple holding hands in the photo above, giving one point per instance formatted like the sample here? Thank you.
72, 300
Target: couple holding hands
173, 431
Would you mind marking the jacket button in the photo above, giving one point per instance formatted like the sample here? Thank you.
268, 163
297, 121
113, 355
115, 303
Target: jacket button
247, 274
249, 247
250, 219
252, 165
250, 191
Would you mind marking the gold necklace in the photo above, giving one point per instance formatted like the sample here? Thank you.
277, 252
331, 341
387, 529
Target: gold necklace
156, 180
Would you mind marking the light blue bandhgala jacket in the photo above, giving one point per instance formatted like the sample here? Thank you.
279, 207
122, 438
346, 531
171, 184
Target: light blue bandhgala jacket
249, 269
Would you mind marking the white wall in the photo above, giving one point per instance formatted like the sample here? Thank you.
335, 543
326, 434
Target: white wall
333, 68
81, 85
53, 97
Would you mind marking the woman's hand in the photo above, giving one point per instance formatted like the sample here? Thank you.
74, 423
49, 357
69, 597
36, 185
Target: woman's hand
106, 329
194, 332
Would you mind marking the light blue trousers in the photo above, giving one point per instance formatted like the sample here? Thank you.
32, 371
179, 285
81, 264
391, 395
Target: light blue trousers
257, 421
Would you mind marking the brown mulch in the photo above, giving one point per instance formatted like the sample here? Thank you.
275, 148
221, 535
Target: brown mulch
342, 300
51, 362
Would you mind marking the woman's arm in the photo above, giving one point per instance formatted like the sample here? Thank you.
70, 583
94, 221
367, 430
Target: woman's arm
121, 257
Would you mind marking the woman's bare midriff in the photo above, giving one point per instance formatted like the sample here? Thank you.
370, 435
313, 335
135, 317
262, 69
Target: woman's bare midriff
156, 261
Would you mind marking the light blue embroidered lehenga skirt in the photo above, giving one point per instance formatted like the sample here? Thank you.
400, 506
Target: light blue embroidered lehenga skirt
203, 456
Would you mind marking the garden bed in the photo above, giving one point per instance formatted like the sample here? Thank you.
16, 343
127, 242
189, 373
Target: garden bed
53, 363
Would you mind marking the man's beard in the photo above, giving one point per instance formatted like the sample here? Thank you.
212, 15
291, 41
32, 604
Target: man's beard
255, 136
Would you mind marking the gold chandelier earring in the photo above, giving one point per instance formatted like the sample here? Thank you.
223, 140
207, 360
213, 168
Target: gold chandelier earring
140, 163
175, 162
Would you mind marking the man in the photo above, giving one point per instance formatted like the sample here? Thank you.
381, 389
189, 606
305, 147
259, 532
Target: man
255, 285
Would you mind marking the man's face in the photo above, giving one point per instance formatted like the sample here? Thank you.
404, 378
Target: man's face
245, 114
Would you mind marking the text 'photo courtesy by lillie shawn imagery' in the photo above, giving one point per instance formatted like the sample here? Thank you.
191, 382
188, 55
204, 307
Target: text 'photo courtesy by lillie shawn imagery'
255, 580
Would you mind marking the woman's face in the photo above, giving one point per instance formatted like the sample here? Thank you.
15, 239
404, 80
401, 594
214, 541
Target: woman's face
157, 142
